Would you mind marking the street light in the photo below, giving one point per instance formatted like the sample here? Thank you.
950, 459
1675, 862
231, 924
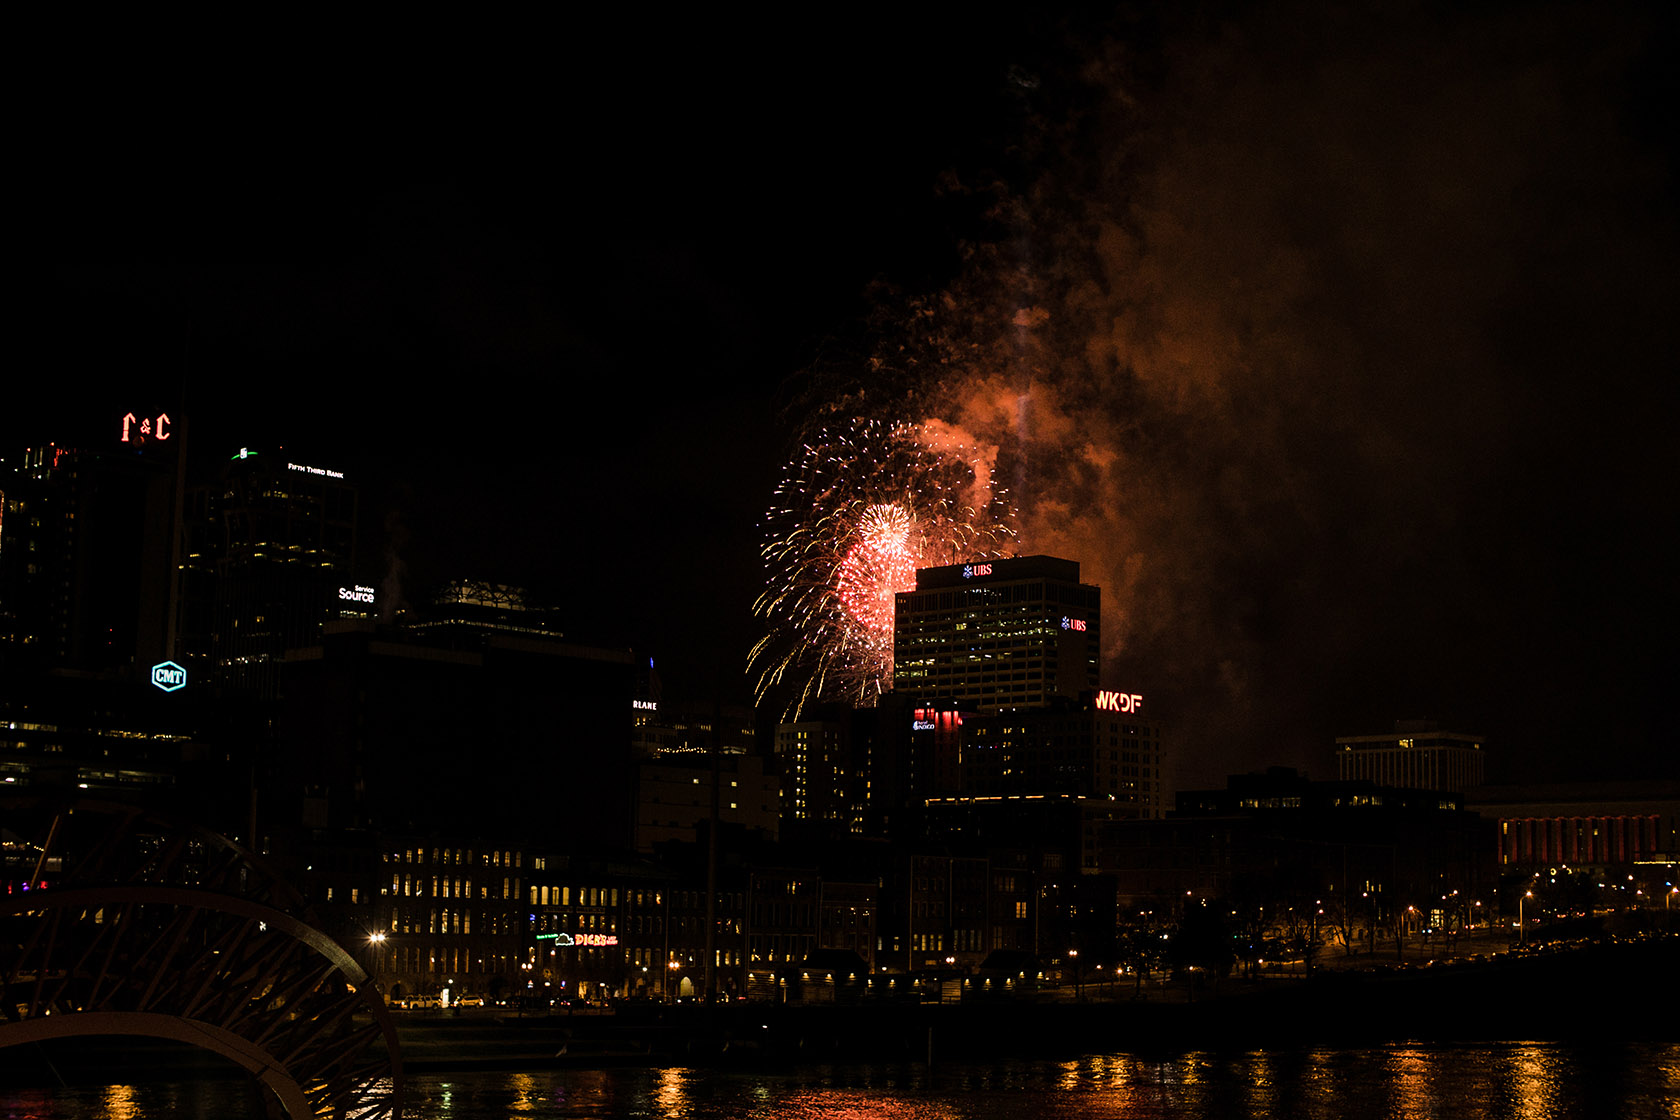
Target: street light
376, 942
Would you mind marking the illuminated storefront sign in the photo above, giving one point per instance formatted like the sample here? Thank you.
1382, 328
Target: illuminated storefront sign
1119, 702
566, 940
971, 571
1073, 623
357, 594
140, 429
169, 676
322, 471
645, 705
931, 719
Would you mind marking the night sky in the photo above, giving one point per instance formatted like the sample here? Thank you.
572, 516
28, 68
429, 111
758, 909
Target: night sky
1337, 348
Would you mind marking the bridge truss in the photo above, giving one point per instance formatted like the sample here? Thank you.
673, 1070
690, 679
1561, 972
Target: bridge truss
120, 921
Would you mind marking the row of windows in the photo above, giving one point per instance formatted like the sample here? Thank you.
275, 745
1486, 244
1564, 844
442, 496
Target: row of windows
460, 857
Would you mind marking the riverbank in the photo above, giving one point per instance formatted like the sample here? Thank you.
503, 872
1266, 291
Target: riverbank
1620, 992
1582, 995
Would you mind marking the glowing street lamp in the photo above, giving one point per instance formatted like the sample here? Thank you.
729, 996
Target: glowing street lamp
376, 945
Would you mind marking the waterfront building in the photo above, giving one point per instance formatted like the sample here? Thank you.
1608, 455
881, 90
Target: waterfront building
1622, 834
1367, 855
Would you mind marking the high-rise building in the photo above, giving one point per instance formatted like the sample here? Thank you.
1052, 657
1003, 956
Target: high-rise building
1417, 755
825, 770
997, 634
1091, 748
269, 560
997, 724
86, 557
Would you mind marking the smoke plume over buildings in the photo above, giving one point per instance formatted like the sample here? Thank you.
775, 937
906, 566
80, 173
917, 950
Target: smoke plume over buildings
1326, 346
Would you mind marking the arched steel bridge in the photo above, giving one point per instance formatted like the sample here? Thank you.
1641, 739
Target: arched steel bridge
120, 921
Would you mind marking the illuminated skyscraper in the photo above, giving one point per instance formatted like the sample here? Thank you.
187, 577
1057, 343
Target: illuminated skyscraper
86, 538
995, 635
270, 553
997, 703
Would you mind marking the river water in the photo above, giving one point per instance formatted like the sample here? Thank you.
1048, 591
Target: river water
1507, 1081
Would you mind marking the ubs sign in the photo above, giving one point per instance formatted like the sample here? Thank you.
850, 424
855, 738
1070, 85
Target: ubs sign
169, 676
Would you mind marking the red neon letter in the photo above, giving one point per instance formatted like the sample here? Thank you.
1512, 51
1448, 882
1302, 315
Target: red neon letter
162, 431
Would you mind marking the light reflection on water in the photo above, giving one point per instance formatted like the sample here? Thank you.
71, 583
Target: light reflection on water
1511, 1082
1481, 1082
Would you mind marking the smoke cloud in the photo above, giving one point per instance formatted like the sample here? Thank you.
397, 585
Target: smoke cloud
1289, 347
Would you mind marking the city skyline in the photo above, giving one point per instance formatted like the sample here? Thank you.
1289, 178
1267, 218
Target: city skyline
1373, 431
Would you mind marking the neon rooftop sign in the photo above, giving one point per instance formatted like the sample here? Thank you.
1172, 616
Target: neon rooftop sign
314, 470
140, 429
1130, 702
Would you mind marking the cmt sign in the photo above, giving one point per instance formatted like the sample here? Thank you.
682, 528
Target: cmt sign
1129, 702
169, 676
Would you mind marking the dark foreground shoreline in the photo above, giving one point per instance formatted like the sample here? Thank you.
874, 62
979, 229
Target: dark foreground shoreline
1610, 993
1605, 993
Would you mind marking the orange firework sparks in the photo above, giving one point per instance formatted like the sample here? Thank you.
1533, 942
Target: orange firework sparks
858, 512
879, 565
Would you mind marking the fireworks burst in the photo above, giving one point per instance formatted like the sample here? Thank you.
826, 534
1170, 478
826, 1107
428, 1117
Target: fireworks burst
859, 510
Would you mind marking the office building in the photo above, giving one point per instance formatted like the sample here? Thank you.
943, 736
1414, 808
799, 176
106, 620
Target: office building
1084, 748
1365, 855
1622, 831
87, 560
269, 561
994, 635
676, 795
825, 767
1418, 754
